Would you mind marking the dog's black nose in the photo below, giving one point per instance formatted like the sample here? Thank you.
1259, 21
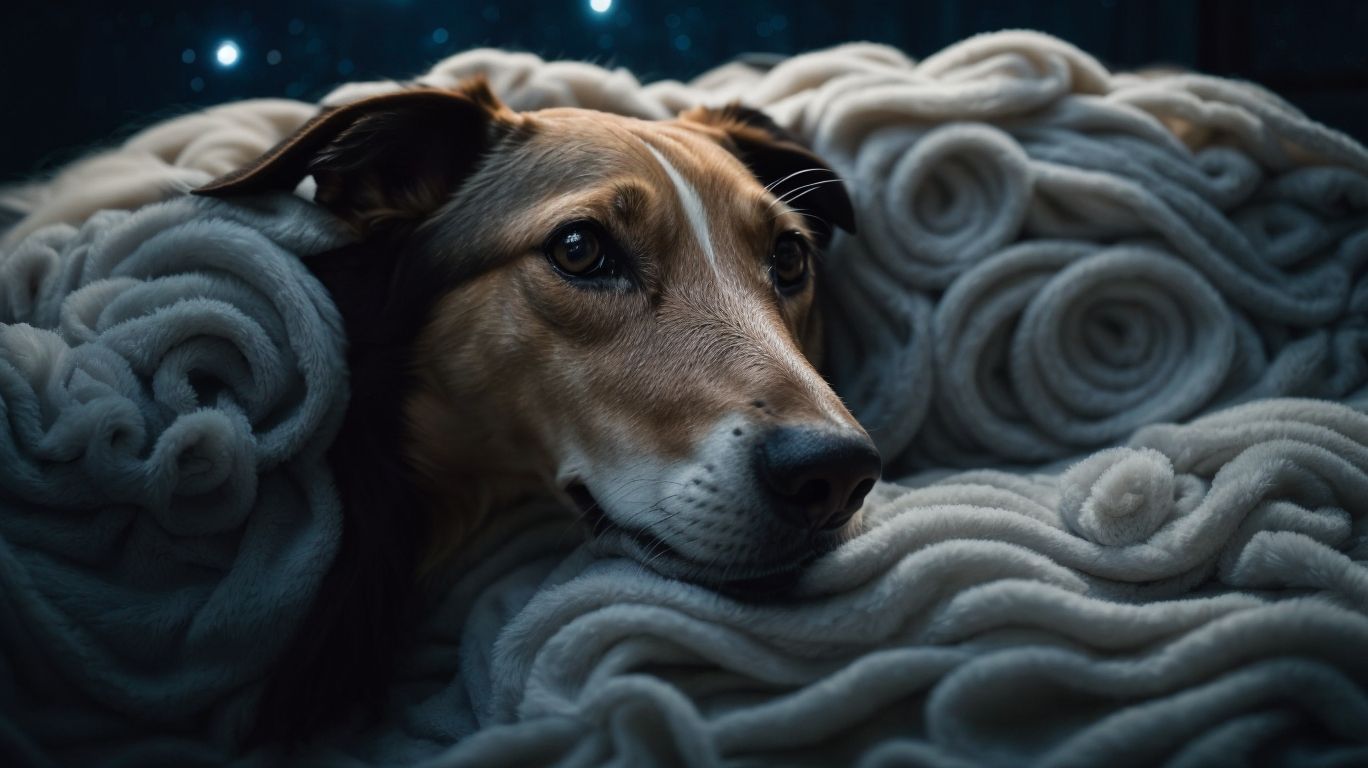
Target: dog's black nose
821, 477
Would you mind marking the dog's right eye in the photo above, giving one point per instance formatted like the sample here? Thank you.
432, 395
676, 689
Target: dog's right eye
581, 249
789, 263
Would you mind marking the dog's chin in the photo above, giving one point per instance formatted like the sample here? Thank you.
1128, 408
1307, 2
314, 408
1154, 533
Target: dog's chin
761, 580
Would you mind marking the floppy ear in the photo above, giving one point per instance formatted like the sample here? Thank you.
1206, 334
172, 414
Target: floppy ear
379, 163
780, 161
397, 156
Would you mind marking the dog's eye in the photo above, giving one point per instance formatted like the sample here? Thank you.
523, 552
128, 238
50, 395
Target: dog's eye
789, 262
581, 249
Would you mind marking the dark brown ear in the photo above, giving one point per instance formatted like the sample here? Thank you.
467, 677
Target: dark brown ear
781, 162
395, 156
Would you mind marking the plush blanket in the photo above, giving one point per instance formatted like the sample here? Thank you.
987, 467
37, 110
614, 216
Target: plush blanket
163, 160
169, 381
1195, 597
1054, 263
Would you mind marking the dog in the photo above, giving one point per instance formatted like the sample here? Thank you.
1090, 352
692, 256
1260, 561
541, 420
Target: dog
615, 312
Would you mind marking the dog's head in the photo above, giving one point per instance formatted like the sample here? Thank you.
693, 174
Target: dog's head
615, 309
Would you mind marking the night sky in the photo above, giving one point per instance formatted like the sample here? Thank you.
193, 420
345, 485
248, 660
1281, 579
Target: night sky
79, 75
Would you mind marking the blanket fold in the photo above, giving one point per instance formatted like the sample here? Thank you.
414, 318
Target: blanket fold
988, 618
169, 380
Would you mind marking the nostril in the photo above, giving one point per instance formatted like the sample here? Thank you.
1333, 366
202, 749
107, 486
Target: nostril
812, 492
852, 505
858, 495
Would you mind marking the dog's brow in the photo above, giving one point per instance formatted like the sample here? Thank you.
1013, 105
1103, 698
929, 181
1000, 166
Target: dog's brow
629, 200
693, 209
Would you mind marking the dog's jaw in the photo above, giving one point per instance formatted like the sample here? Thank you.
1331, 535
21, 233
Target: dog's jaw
702, 519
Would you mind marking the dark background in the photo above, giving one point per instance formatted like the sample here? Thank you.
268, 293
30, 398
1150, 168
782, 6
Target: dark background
77, 75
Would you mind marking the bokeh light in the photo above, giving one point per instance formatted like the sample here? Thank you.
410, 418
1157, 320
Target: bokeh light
228, 53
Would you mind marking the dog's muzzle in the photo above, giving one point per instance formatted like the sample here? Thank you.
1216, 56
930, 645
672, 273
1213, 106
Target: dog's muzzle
755, 506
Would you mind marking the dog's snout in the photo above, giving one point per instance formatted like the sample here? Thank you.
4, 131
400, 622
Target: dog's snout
820, 477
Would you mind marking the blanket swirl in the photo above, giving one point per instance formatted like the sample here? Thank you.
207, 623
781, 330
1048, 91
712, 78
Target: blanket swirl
169, 380
1195, 595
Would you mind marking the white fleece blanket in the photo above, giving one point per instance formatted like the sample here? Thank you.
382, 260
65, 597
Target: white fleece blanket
1051, 257
1195, 597
163, 160
169, 381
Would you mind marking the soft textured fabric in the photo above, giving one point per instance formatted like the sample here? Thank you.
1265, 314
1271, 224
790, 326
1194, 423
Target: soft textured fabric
1055, 263
1197, 596
169, 381
161, 161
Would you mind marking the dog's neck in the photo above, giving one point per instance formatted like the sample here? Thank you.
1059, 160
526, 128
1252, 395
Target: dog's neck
405, 433
456, 503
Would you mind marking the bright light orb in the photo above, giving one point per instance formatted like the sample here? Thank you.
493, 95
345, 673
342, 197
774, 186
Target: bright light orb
228, 53
600, 6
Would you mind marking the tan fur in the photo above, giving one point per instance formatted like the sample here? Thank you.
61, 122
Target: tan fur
524, 383
668, 400
518, 366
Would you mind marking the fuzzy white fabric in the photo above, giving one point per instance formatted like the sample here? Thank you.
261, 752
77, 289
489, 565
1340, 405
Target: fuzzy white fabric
1052, 259
169, 382
1197, 595
162, 161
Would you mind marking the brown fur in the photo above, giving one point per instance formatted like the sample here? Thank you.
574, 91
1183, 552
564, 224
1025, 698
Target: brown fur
514, 373
517, 358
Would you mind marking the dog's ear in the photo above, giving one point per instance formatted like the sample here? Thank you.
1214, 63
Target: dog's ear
378, 163
781, 162
396, 156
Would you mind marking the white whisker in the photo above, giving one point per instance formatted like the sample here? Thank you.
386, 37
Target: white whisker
777, 182
798, 192
806, 190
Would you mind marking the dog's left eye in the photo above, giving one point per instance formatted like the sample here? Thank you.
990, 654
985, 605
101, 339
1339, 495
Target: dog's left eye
789, 262
581, 249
